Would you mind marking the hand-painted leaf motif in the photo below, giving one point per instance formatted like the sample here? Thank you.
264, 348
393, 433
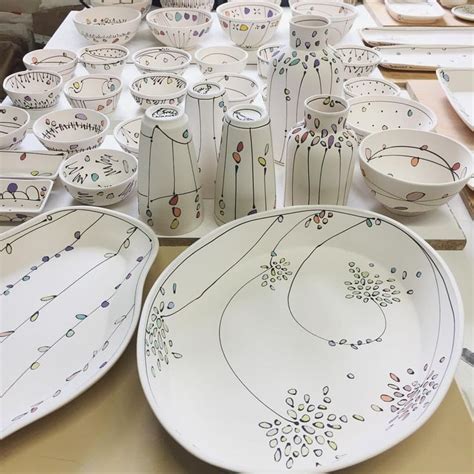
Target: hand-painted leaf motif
236, 157
415, 160
368, 153
456, 166
23, 156
424, 147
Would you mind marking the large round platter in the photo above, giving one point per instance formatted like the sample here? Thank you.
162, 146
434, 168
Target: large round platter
306, 338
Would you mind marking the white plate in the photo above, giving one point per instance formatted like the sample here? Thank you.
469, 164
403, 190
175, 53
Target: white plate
459, 36
458, 85
414, 11
425, 58
308, 338
30, 164
465, 12
70, 292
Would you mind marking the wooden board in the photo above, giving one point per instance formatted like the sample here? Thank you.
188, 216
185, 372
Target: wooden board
467, 195
401, 78
380, 14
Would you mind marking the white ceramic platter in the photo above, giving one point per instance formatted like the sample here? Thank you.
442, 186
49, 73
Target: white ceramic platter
414, 11
465, 12
70, 289
30, 164
381, 36
426, 58
307, 338
458, 85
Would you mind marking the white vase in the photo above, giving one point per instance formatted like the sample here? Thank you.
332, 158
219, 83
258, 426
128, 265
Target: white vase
307, 67
206, 104
321, 153
169, 190
245, 181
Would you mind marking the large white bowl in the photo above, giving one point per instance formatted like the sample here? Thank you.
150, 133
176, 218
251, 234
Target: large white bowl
13, 125
71, 130
143, 6
117, 25
104, 58
358, 60
162, 59
33, 89
219, 59
206, 5
240, 88
411, 171
127, 134
249, 25
364, 86
179, 27
61, 61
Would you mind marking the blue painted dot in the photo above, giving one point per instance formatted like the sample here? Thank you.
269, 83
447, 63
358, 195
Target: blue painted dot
128, 276
139, 259
10, 286
393, 270
33, 268
26, 278
104, 304
102, 365
45, 258
418, 274
170, 305
69, 248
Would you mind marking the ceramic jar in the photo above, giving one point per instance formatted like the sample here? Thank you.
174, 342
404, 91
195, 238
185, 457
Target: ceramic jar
306, 68
206, 104
169, 189
245, 181
321, 153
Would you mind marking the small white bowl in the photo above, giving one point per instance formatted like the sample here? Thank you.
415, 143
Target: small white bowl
240, 89
412, 171
206, 5
359, 61
370, 114
143, 6
179, 27
104, 58
116, 25
218, 59
13, 125
158, 89
33, 89
363, 86
99, 177
71, 130
264, 55
94, 92
342, 15
249, 25
61, 61
127, 134
162, 59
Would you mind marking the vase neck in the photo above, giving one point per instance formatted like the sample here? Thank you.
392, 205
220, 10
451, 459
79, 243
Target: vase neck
323, 112
309, 32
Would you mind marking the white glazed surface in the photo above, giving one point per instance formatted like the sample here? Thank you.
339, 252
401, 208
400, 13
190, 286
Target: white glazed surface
240, 88
127, 134
362, 86
143, 6
359, 61
13, 125
418, 13
61, 61
264, 56
199, 4
104, 58
34, 164
221, 59
161, 59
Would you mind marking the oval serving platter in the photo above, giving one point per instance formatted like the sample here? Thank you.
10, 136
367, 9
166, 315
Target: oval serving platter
303, 338
71, 285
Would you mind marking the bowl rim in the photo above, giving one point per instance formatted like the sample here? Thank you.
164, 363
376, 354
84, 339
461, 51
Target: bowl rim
122, 124
77, 18
213, 78
200, 51
9, 90
362, 47
334, 18
224, 6
459, 182
93, 76
72, 60
82, 51
23, 111
150, 16
265, 46
183, 53
171, 95
371, 79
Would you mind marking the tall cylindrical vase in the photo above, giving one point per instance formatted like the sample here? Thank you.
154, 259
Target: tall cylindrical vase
206, 104
169, 189
321, 153
306, 68
245, 181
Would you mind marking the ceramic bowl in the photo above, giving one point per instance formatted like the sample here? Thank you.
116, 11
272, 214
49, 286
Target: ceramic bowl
71, 130
13, 125
250, 2
143, 6
116, 25
179, 27
162, 59
363, 86
372, 114
219, 59
206, 5
127, 134
157, 89
33, 89
411, 171
359, 61
99, 92
99, 177
249, 25
342, 15
104, 58
240, 89
264, 55
61, 61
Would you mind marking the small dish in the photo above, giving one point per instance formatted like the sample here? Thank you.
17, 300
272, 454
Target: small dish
418, 13
249, 25
240, 89
33, 164
117, 25
411, 171
99, 177
162, 59
104, 58
13, 125
61, 61
464, 12
264, 55
143, 6
206, 5
219, 59
372, 114
21, 199
71, 130
179, 27
33, 89
359, 61
363, 86
157, 89
127, 134
99, 92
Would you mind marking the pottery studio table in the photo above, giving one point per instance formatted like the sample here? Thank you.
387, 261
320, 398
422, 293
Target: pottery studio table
111, 427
